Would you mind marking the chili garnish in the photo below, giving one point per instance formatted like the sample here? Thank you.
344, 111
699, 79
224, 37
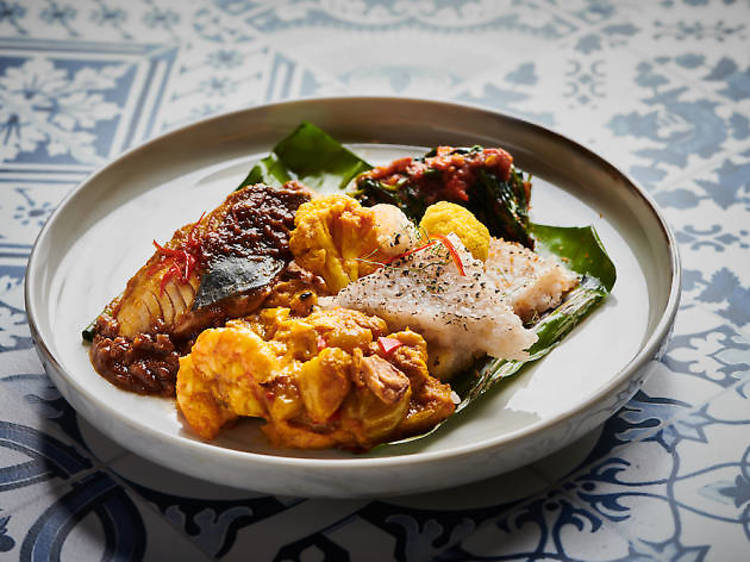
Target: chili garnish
452, 249
434, 239
388, 345
184, 258
410, 252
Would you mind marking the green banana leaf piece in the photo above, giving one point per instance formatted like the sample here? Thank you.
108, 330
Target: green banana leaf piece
270, 171
311, 156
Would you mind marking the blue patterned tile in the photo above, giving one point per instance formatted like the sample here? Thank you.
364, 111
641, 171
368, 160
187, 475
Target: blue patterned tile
639, 419
705, 356
228, 523
527, 16
62, 107
33, 400
90, 519
211, 79
550, 527
708, 212
25, 205
12, 18
649, 122
717, 188
706, 347
662, 92
93, 19
704, 24
37, 457
211, 516
14, 330
686, 483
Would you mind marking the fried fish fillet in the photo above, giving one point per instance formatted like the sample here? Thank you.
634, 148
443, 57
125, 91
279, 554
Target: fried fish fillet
222, 266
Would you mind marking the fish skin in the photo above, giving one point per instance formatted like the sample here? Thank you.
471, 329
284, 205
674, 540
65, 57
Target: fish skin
148, 302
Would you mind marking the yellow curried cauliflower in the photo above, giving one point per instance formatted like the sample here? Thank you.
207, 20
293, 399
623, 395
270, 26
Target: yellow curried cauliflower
340, 240
319, 380
444, 218
331, 235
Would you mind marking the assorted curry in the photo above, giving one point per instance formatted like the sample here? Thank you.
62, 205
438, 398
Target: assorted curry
338, 319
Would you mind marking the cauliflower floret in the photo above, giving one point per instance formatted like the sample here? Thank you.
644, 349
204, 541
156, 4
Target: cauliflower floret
340, 240
444, 218
319, 380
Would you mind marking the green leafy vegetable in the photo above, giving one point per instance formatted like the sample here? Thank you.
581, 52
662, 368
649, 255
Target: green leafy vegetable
404, 196
501, 205
311, 156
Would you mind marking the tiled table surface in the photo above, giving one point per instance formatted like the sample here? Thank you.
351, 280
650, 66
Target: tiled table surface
662, 89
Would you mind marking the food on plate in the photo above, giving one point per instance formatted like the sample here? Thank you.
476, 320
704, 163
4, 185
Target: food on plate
334, 233
446, 218
320, 378
222, 266
530, 283
483, 180
356, 318
441, 291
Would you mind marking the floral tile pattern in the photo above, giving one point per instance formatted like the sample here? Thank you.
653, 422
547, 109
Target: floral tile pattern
64, 106
662, 89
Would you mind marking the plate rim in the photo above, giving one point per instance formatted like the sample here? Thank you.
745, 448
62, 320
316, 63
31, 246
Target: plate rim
647, 350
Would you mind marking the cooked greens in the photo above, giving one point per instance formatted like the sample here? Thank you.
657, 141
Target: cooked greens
500, 204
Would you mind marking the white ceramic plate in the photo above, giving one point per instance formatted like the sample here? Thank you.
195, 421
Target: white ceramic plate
101, 234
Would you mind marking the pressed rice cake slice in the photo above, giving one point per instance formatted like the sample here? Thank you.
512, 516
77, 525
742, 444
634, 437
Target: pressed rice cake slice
460, 316
530, 283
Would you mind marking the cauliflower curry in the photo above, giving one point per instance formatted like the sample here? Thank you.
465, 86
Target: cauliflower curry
321, 378
340, 240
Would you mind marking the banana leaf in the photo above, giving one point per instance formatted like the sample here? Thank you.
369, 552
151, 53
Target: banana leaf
270, 171
581, 251
311, 156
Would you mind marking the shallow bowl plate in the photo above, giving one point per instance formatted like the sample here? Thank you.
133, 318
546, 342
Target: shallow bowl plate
102, 232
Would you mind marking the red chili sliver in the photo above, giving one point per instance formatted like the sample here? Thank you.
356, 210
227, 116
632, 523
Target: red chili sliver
445, 241
166, 251
388, 345
322, 344
410, 252
184, 261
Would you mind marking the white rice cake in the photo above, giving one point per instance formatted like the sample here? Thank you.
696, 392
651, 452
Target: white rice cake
530, 283
460, 316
